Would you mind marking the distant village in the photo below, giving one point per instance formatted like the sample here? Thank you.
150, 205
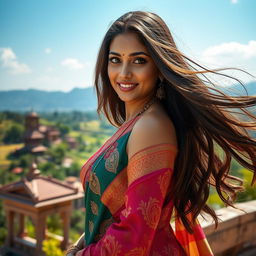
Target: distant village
37, 137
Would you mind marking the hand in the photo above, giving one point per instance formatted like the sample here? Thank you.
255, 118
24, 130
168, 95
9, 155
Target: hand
76, 247
72, 250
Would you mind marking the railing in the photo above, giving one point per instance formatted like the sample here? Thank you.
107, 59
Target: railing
236, 232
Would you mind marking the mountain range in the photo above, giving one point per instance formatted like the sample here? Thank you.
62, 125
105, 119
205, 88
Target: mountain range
77, 99
38, 100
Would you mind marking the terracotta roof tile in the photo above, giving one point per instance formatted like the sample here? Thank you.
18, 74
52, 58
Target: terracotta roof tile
36, 188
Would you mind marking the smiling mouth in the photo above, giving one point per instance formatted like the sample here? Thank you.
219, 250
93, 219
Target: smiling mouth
127, 85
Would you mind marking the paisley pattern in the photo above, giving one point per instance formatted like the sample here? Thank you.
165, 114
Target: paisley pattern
94, 208
164, 181
111, 162
91, 226
111, 246
109, 151
94, 183
151, 211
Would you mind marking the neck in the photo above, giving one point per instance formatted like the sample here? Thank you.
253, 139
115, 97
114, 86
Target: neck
133, 109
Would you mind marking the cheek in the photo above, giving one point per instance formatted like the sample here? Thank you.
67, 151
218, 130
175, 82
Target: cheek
149, 75
111, 73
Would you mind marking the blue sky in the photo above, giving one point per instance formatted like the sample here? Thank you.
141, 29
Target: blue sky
53, 44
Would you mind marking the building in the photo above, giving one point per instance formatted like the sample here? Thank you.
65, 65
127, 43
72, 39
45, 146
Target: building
36, 136
37, 197
33, 138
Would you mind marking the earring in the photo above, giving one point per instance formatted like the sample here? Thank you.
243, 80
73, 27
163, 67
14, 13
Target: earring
160, 93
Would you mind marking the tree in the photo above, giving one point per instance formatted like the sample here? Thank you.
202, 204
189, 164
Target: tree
14, 134
64, 129
58, 152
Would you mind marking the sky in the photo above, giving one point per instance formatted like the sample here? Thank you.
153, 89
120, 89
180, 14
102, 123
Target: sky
53, 44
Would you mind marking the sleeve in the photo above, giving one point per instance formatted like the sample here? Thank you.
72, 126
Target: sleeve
149, 174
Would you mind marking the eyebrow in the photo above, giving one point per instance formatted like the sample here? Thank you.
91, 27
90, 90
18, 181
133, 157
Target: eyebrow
132, 54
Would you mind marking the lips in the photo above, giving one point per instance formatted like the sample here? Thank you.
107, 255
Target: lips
125, 86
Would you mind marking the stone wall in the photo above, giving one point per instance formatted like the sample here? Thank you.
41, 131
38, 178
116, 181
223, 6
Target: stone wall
236, 232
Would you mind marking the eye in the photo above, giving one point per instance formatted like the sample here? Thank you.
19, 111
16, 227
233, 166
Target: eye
114, 60
140, 60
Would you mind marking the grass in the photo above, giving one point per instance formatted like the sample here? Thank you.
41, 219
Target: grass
90, 126
5, 150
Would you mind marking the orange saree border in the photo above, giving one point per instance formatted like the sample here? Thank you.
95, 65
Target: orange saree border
194, 244
117, 186
150, 159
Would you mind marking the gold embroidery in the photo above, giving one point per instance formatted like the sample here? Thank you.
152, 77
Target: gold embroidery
91, 226
94, 183
111, 246
111, 163
138, 251
114, 195
126, 212
150, 211
164, 181
94, 208
149, 160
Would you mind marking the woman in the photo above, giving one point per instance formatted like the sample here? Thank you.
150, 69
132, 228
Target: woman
163, 156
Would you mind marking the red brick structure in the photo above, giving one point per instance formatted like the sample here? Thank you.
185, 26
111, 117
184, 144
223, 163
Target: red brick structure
33, 138
50, 133
36, 135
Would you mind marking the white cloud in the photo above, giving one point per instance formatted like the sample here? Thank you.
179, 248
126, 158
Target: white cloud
232, 55
9, 60
234, 1
72, 63
229, 51
47, 50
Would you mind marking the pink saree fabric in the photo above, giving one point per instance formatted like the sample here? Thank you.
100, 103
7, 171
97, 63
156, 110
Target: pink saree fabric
142, 225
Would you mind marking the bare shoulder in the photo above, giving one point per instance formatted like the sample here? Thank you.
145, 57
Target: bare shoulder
154, 127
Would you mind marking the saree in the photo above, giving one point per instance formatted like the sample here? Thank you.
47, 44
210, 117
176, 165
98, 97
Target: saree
125, 209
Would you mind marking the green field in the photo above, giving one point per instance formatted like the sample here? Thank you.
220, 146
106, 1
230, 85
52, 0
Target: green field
5, 150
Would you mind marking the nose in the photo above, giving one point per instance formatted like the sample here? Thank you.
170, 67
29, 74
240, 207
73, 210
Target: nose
125, 71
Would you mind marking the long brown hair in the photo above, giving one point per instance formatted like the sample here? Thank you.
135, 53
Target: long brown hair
202, 115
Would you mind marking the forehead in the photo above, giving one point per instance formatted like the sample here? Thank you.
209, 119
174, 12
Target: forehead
127, 43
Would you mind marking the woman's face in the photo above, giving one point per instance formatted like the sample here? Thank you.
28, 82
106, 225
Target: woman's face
132, 72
